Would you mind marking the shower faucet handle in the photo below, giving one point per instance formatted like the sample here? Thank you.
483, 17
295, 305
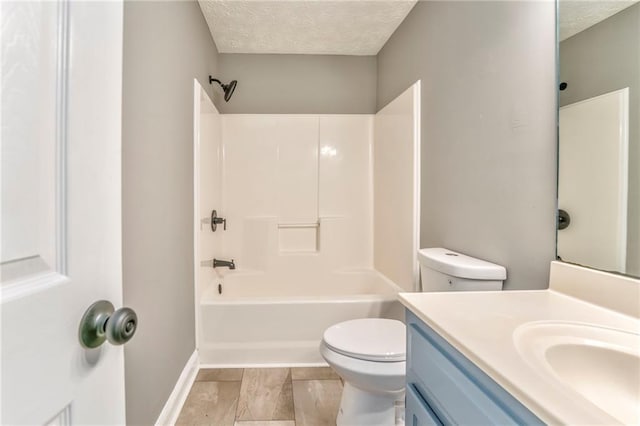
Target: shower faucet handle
215, 221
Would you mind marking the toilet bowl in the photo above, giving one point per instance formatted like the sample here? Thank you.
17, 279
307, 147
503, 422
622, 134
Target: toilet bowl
369, 355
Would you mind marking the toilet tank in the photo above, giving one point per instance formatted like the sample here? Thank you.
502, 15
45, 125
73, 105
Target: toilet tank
445, 270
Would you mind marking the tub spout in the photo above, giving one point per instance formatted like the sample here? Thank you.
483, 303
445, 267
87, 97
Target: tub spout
224, 264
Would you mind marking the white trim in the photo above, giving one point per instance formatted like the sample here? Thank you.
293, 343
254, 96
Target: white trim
266, 365
623, 178
417, 176
62, 117
371, 189
28, 286
197, 89
173, 406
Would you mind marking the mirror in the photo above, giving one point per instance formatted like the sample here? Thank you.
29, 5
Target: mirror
599, 135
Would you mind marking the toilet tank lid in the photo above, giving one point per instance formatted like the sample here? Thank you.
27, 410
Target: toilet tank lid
459, 265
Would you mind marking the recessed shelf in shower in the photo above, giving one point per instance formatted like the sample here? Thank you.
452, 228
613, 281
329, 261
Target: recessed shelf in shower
300, 237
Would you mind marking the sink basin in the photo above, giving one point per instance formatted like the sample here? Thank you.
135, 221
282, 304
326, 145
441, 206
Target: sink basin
600, 364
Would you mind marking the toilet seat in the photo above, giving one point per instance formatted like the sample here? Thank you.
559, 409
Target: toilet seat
370, 339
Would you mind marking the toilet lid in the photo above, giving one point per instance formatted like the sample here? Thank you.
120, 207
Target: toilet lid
372, 339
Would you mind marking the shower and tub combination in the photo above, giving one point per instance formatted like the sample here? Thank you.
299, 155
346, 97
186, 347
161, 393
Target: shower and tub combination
261, 321
321, 224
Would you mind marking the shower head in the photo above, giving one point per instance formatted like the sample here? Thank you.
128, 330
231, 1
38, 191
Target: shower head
226, 88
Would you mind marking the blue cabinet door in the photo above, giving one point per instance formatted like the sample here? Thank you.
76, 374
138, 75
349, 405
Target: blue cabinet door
418, 412
454, 389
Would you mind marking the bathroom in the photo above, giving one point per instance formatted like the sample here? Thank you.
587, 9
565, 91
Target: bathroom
488, 100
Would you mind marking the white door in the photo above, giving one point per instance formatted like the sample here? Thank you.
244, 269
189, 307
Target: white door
592, 181
60, 207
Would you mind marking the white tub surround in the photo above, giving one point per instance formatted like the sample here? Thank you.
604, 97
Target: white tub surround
297, 191
294, 187
505, 334
396, 189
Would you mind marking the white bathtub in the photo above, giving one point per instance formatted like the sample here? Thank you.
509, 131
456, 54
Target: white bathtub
259, 320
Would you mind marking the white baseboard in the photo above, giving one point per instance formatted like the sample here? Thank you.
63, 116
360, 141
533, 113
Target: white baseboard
172, 407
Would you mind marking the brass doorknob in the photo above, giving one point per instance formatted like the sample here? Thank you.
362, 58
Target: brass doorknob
100, 323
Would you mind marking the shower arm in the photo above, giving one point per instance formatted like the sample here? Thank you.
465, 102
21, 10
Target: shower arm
211, 80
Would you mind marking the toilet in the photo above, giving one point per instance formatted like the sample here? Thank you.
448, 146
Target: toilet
369, 354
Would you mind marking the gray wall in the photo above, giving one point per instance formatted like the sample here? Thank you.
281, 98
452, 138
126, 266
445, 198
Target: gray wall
601, 59
488, 128
301, 84
166, 45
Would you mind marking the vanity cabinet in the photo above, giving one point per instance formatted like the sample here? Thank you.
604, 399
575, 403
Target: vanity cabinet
444, 387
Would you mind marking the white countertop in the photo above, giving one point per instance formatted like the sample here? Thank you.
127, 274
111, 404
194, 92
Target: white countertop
481, 326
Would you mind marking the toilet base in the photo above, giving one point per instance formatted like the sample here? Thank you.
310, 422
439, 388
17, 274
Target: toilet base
362, 408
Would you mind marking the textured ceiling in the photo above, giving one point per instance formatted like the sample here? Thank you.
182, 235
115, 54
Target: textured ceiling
576, 16
329, 27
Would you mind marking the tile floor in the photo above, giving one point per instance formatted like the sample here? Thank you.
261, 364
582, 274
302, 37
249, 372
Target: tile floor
263, 397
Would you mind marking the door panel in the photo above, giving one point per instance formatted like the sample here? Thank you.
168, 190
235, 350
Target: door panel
30, 145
